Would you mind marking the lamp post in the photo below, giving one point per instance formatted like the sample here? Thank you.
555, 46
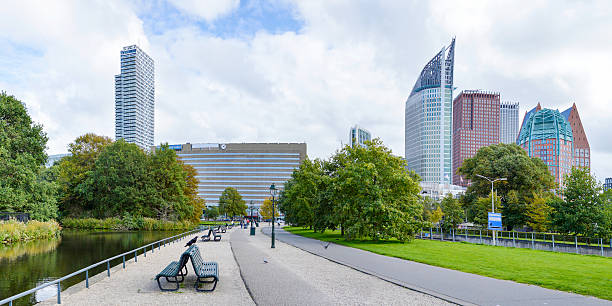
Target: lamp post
492, 205
273, 191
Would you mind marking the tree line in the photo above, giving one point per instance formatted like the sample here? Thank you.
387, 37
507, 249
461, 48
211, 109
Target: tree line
101, 179
365, 191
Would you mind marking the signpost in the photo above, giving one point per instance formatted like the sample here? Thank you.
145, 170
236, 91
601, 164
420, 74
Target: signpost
495, 223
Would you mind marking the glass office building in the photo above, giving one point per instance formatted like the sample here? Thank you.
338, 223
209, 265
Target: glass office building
358, 135
428, 120
249, 167
547, 135
508, 122
135, 98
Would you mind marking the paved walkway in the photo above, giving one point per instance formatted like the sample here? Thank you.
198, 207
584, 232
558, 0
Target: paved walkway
136, 285
287, 275
456, 286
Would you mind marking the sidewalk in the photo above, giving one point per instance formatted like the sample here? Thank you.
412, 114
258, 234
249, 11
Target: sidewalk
287, 275
136, 285
456, 286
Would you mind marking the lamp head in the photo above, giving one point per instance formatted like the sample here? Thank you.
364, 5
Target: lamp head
273, 189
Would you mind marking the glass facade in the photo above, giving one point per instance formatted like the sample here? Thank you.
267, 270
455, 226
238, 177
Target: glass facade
547, 135
358, 135
135, 98
428, 120
508, 122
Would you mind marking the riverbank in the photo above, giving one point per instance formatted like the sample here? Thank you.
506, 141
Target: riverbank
13, 231
127, 223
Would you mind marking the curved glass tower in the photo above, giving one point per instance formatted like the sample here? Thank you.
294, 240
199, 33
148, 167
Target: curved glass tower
428, 120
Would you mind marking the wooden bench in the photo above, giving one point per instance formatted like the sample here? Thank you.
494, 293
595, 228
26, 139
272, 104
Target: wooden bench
212, 233
174, 270
203, 270
223, 228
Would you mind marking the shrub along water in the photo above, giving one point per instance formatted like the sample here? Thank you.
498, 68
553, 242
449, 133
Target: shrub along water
128, 222
12, 231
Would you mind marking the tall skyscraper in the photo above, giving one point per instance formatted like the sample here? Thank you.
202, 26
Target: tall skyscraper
508, 122
475, 125
428, 119
582, 150
135, 98
547, 135
359, 135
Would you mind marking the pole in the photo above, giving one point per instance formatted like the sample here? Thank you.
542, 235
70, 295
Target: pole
492, 209
272, 221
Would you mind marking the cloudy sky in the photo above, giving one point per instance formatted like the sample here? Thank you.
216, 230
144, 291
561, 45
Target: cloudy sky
304, 71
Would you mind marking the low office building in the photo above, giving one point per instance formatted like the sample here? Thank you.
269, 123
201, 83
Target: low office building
438, 191
608, 184
359, 135
249, 167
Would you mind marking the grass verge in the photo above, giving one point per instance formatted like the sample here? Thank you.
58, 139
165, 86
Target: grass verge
127, 223
583, 274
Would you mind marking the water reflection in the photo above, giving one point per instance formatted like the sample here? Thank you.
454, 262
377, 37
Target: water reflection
24, 266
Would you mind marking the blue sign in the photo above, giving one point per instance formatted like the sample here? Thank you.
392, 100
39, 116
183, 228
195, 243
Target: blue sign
175, 147
495, 221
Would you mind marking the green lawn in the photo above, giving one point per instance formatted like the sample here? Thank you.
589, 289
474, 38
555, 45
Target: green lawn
583, 274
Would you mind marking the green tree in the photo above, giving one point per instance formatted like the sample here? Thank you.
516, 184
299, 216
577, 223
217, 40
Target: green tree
538, 213
73, 170
525, 176
212, 212
374, 195
482, 208
432, 212
582, 210
22, 156
453, 212
231, 203
266, 210
195, 203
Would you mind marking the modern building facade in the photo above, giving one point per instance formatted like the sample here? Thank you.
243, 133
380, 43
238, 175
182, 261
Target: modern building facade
607, 184
475, 125
439, 191
582, 150
135, 98
428, 120
508, 122
52, 159
547, 135
359, 135
249, 167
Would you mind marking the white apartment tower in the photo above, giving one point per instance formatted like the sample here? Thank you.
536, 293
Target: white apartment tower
508, 122
358, 135
135, 98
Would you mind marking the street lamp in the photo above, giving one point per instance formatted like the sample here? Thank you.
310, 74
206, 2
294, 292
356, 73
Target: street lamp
273, 191
492, 206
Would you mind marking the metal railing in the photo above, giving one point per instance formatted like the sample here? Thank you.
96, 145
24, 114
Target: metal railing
535, 240
134, 252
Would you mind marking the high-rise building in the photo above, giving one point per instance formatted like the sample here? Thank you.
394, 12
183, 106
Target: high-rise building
508, 122
428, 119
475, 125
547, 135
608, 184
135, 98
358, 135
582, 150
249, 167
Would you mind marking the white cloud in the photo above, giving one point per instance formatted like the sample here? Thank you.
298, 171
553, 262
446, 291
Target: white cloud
351, 63
208, 10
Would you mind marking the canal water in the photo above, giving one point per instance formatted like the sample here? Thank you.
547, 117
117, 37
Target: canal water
25, 265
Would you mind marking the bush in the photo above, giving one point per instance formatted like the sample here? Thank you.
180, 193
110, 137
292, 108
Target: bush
12, 231
128, 222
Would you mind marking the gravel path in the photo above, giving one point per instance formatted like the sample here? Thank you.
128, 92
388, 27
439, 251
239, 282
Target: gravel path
295, 277
136, 284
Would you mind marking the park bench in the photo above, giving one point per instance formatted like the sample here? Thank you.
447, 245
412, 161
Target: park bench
212, 233
174, 270
223, 228
203, 270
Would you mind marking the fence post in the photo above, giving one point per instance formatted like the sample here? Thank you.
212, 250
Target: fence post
430, 233
59, 292
480, 234
453, 235
553, 240
466, 232
601, 245
123, 257
441, 234
421, 233
576, 243
108, 268
513, 240
532, 242
136, 256
87, 278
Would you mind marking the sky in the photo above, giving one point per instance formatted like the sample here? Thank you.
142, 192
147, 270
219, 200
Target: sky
301, 71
